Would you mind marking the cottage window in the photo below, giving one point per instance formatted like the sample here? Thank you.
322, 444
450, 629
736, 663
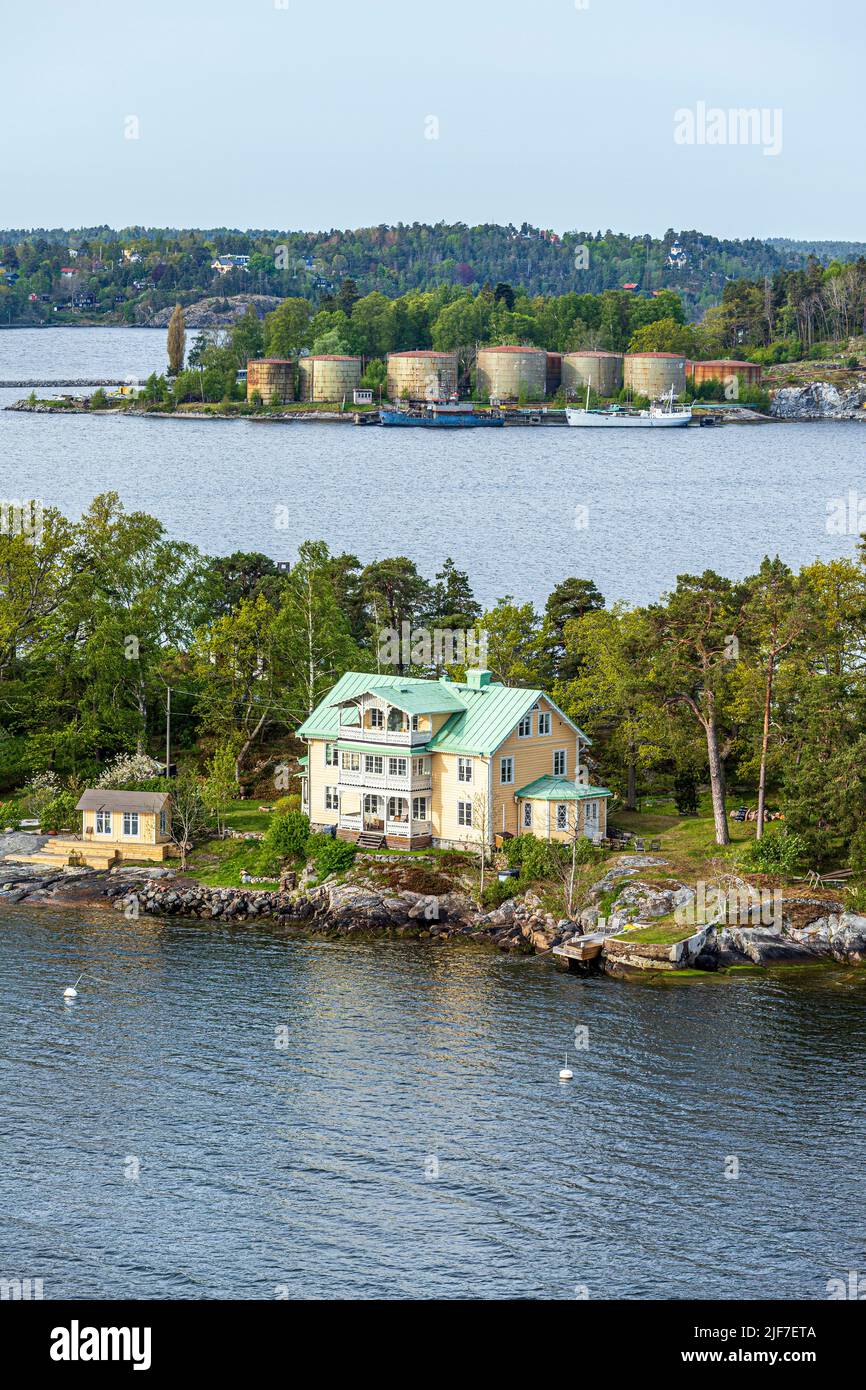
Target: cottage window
398, 767
377, 719
163, 823
130, 824
351, 762
464, 769
398, 808
464, 813
544, 721
506, 769
527, 815
332, 799
524, 728
416, 725
559, 762
561, 816
332, 757
396, 721
373, 762
420, 766
419, 808
103, 822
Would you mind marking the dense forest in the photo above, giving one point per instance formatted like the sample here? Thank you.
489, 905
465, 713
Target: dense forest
129, 275
755, 685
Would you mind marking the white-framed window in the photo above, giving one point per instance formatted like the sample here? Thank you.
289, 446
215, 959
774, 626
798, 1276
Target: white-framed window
130, 824
419, 808
398, 808
544, 721
103, 822
332, 799
416, 725
420, 766
377, 719
561, 815
374, 762
398, 767
163, 823
560, 762
464, 813
524, 728
464, 769
592, 812
527, 815
332, 757
350, 762
506, 770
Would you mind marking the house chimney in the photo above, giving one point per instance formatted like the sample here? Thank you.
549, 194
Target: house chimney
477, 680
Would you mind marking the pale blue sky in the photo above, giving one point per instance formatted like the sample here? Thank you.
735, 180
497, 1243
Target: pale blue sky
313, 115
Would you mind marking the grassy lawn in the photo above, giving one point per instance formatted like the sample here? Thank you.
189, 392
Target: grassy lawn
664, 932
219, 863
687, 842
245, 815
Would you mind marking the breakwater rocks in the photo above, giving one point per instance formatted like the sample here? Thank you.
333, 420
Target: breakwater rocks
819, 400
342, 909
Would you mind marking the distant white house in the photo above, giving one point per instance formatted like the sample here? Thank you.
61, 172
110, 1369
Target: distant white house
362, 395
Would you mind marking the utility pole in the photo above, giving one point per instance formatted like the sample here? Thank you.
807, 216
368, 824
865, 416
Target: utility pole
167, 729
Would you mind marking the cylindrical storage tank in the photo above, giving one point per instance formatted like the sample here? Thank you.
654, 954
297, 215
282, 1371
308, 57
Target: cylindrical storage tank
273, 378
654, 373
722, 369
422, 375
327, 377
600, 370
511, 372
554, 373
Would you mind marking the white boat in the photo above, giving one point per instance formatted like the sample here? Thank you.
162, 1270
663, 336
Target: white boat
660, 415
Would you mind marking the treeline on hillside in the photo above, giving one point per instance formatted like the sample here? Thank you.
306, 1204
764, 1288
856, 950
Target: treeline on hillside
162, 266
755, 684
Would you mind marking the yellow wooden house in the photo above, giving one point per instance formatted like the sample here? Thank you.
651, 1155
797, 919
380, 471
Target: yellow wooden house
408, 763
116, 827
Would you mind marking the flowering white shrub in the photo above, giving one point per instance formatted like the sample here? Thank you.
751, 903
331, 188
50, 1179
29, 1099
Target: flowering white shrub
128, 767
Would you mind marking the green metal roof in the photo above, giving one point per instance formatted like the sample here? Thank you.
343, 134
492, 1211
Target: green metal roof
304, 760
481, 721
427, 697
559, 789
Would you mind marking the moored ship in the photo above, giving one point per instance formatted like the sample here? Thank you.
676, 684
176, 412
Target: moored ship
446, 414
660, 415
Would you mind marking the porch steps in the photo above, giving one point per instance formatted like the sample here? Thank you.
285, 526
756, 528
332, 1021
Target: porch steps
369, 840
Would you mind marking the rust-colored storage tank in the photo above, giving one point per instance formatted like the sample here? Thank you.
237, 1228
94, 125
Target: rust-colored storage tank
511, 372
554, 373
654, 373
600, 370
328, 377
422, 375
273, 378
723, 369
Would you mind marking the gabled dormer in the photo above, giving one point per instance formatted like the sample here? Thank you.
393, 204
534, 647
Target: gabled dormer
405, 716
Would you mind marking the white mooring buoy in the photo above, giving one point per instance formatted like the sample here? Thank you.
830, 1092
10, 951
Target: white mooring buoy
70, 991
566, 1073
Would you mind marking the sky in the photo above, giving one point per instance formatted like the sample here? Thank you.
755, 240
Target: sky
567, 114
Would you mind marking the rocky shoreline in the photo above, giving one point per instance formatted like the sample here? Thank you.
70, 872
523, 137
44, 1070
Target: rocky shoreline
810, 929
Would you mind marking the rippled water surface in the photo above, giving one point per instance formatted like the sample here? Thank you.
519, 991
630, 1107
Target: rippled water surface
309, 1166
518, 508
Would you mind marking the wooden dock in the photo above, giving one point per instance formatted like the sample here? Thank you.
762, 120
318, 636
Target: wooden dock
581, 949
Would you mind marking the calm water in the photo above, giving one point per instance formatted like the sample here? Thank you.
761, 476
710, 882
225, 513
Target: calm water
519, 509
306, 1167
